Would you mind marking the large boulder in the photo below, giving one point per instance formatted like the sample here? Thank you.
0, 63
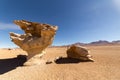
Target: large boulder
37, 37
79, 52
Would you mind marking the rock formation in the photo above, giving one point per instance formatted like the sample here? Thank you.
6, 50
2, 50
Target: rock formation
79, 52
36, 38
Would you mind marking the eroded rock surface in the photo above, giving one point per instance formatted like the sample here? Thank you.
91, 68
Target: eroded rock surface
79, 52
37, 37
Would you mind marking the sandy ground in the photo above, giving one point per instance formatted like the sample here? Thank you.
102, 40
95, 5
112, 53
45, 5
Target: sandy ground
105, 67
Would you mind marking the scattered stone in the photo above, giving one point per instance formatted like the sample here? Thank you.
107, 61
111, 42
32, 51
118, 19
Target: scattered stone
9, 49
79, 52
49, 62
37, 37
57, 58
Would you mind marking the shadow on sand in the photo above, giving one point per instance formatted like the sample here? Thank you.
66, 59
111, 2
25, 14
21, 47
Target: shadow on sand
65, 60
10, 64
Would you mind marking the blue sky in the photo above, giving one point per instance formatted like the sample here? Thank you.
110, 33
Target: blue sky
78, 20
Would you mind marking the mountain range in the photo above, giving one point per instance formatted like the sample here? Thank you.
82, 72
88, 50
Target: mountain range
100, 42
95, 43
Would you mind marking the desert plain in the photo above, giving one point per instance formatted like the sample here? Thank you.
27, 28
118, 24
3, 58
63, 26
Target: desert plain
105, 67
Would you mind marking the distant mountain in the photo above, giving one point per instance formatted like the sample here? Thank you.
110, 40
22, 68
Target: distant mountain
100, 42
95, 43
116, 42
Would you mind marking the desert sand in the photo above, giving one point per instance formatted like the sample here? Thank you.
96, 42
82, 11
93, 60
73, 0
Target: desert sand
105, 67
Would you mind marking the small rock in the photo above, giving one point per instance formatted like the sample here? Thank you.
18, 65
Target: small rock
49, 62
57, 58
9, 49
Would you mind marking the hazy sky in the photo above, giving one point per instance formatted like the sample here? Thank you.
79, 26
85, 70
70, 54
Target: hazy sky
78, 20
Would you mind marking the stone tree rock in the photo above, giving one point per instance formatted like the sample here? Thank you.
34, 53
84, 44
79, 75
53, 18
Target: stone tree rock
37, 37
79, 52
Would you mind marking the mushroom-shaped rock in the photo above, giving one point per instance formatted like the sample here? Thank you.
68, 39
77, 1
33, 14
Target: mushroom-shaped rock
37, 37
79, 52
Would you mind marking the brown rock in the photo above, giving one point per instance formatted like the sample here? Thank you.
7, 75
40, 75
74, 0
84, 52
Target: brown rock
49, 62
78, 52
37, 37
